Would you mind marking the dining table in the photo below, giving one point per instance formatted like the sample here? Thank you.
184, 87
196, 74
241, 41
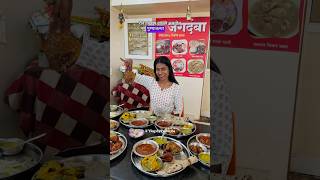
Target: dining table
97, 149
122, 168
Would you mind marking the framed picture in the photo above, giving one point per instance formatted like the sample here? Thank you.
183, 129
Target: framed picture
138, 43
313, 16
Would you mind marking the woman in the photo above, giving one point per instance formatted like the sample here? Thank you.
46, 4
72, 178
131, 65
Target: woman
223, 123
165, 91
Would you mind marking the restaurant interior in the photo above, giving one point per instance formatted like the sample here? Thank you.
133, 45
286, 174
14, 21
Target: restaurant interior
85, 95
131, 119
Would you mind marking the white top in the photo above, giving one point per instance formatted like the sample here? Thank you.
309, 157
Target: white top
162, 101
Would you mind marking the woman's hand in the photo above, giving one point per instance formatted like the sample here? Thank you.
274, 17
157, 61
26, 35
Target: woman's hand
127, 63
129, 76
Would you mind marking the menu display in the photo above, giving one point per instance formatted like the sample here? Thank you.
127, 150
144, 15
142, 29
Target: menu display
257, 24
185, 43
137, 39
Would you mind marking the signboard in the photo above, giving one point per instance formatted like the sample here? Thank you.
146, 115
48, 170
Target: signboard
185, 43
257, 24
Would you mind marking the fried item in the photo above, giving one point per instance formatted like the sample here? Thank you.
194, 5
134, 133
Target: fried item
205, 140
114, 138
167, 157
115, 143
196, 149
173, 147
173, 131
115, 146
113, 124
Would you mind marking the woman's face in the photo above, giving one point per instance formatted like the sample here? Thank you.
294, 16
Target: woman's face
162, 71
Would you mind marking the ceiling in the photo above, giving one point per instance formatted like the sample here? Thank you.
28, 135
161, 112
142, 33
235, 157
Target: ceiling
162, 7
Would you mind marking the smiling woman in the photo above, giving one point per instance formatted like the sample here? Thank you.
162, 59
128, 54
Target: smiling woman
165, 92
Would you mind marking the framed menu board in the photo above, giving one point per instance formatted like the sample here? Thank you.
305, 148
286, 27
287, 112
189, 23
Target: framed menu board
138, 43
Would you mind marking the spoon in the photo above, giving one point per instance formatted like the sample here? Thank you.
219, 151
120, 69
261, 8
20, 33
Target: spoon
121, 105
34, 138
17, 145
163, 132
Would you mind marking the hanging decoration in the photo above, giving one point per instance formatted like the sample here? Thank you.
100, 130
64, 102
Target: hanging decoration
188, 14
121, 17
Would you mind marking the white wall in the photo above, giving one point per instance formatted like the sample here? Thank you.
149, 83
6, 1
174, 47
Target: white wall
192, 87
305, 157
205, 104
262, 85
21, 47
86, 7
130, 2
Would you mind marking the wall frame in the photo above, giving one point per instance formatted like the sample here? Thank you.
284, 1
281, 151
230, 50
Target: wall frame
138, 43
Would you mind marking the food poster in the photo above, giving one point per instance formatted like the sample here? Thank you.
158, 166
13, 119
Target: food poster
185, 43
257, 24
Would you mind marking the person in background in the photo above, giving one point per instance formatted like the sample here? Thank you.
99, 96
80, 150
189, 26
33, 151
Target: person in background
223, 123
165, 91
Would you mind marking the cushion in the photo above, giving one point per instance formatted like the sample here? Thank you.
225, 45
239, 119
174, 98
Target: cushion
132, 95
94, 55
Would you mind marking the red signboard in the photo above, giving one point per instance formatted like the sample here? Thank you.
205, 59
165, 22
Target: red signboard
257, 24
185, 43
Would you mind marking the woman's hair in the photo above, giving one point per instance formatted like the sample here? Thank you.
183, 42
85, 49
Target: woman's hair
164, 60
